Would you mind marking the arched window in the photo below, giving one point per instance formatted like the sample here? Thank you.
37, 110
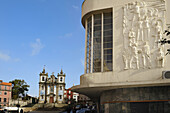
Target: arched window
43, 79
60, 96
61, 79
61, 88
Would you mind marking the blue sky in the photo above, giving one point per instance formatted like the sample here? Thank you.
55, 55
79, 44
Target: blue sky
34, 33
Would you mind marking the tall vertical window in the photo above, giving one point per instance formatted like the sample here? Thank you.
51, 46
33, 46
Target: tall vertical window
5, 87
5, 100
61, 79
102, 43
89, 36
60, 96
42, 87
97, 43
107, 42
52, 89
61, 88
43, 79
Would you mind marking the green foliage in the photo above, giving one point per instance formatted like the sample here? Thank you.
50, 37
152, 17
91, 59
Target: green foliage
18, 88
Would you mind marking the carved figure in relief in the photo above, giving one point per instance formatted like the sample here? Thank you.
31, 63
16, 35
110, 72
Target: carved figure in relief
137, 9
140, 30
132, 34
147, 28
150, 12
146, 55
161, 58
154, 16
125, 58
124, 24
141, 22
158, 33
156, 12
133, 45
144, 10
158, 28
134, 57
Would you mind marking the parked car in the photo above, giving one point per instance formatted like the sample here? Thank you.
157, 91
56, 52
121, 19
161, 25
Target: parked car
78, 107
83, 110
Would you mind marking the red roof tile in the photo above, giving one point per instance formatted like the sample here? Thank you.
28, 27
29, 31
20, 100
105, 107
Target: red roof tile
4, 83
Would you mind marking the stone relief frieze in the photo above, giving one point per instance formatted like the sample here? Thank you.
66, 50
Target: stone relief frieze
143, 26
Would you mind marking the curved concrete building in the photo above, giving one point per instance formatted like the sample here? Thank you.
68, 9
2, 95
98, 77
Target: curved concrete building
126, 70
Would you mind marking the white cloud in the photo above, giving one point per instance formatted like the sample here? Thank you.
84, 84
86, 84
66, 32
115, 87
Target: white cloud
36, 47
4, 56
75, 7
67, 35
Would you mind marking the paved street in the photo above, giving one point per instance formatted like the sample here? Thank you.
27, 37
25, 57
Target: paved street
46, 112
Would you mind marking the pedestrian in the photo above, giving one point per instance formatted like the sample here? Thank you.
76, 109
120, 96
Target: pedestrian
21, 111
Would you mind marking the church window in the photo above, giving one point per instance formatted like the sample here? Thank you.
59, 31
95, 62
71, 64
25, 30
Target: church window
52, 89
60, 96
43, 79
42, 87
61, 79
61, 88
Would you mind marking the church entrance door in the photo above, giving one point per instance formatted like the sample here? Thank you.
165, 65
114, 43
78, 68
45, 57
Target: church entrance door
51, 100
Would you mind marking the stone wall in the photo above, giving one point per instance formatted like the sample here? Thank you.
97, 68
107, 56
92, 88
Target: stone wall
127, 100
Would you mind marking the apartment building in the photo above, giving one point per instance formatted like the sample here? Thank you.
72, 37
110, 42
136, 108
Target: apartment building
5, 93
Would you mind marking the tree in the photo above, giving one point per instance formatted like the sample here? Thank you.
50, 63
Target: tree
19, 87
164, 41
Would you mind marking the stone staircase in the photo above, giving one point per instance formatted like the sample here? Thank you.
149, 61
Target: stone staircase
45, 107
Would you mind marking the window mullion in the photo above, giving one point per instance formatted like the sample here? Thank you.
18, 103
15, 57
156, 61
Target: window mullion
102, 45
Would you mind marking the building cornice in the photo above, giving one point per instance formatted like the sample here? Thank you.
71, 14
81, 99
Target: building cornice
52, 83
5, 90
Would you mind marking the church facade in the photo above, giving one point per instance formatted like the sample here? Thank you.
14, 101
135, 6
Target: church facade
51, 89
